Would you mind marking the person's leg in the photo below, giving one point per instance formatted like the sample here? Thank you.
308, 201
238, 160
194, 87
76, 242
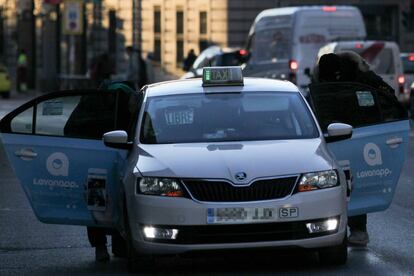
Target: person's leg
358, 228
118, 245
97, 239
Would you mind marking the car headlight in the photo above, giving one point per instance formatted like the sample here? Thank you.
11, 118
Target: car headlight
159, 187
318, 180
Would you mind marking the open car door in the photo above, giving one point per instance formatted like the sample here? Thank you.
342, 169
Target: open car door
54, 144
376, 152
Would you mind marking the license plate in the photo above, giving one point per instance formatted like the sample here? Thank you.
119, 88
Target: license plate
240, 215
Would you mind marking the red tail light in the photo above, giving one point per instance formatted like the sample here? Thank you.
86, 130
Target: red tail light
359, 45
411, 57
401, 82
242, 52
293, 65
329, 9
292, 77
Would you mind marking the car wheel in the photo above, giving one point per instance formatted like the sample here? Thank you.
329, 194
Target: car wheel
5, 95
136, 262
335, 255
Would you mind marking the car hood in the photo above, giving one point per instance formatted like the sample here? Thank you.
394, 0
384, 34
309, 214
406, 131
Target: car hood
224, 160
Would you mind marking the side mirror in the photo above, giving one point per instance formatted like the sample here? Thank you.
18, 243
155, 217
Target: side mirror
117, 139
338, 132
307, 72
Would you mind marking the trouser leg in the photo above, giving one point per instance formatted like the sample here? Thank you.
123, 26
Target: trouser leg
358, 223
96, 236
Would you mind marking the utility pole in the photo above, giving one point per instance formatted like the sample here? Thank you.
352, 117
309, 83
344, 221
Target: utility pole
26, 37
48, 78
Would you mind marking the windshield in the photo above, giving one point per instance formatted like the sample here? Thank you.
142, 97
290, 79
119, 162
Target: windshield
271, 45
226, 117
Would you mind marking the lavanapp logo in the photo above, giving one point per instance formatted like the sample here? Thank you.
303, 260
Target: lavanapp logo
372, 154
57, 164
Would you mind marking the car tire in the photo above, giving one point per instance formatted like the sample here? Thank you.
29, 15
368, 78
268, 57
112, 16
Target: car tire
335, 255
135, 262
5, 95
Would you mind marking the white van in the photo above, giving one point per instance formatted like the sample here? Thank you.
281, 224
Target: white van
383, 57
284, 42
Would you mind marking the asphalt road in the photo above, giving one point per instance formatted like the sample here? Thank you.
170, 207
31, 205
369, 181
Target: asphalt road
30, 247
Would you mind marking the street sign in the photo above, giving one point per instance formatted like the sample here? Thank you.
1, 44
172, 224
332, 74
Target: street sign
73, 17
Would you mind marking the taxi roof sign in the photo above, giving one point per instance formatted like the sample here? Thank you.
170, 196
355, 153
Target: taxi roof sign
223, 76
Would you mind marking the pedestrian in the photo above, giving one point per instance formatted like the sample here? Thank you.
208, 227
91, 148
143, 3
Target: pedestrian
22, 71
348, 66
189, 60
136, 71
101, 69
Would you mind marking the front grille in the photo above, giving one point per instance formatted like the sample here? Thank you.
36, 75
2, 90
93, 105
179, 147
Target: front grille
222, 191
238, 233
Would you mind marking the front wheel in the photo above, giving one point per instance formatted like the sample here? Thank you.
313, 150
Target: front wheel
335, 255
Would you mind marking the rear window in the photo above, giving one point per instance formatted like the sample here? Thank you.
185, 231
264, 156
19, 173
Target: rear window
228, 59
381, 60
226, 117
408, 65
271, 45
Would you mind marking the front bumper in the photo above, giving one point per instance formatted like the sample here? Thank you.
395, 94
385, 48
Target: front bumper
190, 218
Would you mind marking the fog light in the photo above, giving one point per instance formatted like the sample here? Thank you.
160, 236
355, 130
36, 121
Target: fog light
322, 226
160, 233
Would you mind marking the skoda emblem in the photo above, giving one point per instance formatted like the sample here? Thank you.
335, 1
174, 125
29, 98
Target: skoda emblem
240, 176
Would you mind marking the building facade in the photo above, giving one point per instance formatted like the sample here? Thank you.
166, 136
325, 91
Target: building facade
37, 26
170, 28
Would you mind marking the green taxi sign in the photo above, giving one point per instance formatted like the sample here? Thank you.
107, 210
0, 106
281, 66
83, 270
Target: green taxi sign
219, 76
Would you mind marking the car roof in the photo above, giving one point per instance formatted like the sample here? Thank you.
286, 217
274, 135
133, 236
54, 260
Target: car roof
189, 86
217, 50
363, 43
293, 10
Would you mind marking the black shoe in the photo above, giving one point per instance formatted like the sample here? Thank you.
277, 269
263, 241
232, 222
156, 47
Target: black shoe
358, 237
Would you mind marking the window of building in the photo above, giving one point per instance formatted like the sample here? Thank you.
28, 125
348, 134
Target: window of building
203, 22
180, 52
112, 31
157, 20
180, 22
157, 33
203, 44
157, 49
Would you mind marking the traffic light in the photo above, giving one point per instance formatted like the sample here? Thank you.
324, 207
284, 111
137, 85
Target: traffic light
405, 18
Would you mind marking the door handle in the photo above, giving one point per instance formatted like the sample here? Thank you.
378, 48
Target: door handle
26, 154
394, 141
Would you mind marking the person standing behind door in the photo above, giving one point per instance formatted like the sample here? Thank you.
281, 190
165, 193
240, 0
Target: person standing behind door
22, 71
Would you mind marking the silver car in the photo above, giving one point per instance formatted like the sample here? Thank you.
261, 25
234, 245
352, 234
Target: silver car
215, 163
235, 166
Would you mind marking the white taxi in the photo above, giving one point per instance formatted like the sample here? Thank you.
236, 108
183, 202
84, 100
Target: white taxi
223, 162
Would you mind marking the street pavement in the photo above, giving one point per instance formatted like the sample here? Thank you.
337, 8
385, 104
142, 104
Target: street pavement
28, 246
